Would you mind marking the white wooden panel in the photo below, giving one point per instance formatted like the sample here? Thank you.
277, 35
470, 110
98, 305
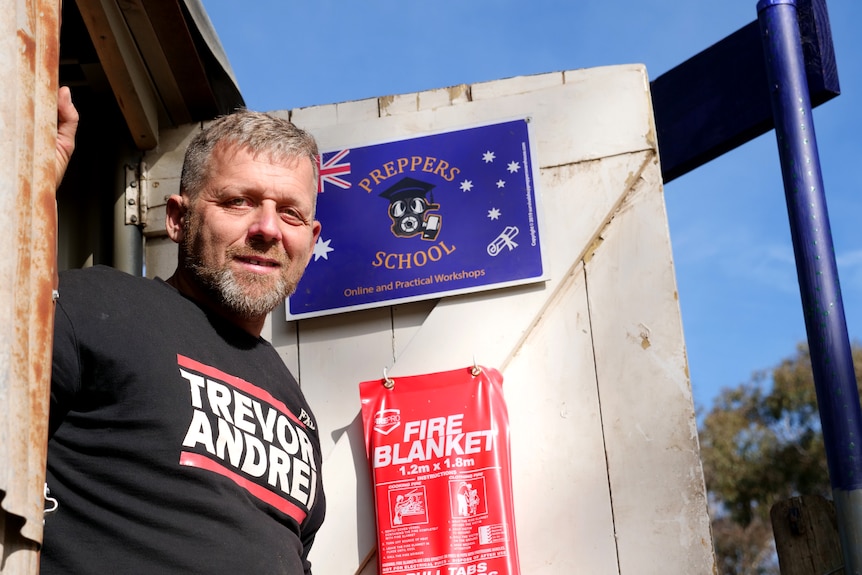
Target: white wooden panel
407, 320
516, 85
605, 88
562, 501
603, 483
311, 118
578, 201
399, 104
335, 354
595, 114
350, 532
657, 485
155, 227
163, 167
164, 164
432, 99
357, 110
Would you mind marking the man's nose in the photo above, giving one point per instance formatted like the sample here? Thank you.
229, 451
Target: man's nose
265, 225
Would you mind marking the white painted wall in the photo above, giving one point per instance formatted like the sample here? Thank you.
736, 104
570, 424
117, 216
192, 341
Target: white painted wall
607, 475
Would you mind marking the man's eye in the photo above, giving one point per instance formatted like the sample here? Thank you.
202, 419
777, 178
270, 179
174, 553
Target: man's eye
292, 216
237, 203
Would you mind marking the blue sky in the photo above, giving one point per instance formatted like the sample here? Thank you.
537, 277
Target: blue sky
734, 259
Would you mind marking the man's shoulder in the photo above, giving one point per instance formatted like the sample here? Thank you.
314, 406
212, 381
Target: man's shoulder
103, 284
96, 271
99, 275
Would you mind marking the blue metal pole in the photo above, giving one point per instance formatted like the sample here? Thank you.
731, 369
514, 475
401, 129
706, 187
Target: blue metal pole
828, 342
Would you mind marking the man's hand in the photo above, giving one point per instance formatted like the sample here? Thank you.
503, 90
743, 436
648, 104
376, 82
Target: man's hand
67, 125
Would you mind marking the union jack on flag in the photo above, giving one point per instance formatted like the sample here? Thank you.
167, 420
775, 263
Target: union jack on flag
331, 171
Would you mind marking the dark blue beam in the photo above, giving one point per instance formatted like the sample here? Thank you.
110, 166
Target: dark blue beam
719, 99
828, 341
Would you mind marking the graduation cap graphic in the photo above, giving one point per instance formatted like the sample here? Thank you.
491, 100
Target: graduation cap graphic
410, 207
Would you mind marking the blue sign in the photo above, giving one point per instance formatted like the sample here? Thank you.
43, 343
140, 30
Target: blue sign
421, 218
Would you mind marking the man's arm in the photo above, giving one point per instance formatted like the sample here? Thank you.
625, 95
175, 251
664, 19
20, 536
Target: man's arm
67, 125
65, 368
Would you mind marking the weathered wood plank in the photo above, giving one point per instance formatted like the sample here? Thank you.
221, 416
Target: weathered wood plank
125, 69
657, 487
806, 536
176, 41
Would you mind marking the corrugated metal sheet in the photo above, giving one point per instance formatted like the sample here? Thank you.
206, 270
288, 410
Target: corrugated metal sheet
29, 59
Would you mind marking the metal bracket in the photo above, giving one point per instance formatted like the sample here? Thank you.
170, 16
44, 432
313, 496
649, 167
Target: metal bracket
136, 195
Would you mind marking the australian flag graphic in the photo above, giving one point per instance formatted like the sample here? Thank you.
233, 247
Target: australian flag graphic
421, 218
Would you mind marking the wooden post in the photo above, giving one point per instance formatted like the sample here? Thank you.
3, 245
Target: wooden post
806, 536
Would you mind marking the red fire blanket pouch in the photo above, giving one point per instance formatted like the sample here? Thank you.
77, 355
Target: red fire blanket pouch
438, 445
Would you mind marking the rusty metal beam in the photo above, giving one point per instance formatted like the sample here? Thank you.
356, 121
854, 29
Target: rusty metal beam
29, 59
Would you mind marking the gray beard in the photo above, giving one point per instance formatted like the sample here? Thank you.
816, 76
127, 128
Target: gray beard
233, 296
249, 299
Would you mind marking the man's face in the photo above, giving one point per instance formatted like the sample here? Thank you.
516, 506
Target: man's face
250, 232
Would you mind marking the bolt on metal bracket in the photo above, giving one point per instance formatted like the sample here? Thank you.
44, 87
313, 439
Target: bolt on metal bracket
136, 195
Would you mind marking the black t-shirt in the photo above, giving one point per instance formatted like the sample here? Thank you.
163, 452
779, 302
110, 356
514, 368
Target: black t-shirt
179, 442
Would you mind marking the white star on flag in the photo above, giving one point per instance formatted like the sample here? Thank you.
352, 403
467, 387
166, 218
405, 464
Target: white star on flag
488, 157
322, 249
466, 186
493, 214
501, 184
513, 167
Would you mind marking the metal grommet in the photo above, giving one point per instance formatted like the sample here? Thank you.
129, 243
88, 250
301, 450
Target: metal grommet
387, 382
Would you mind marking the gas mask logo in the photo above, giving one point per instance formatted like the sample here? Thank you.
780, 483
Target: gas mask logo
410, 209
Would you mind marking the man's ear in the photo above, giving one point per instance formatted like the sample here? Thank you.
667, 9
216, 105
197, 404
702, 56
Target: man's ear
175, 214
315, 233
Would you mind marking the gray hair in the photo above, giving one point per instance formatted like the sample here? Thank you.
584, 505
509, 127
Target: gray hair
255, 132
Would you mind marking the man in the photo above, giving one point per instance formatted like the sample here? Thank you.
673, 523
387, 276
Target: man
179, 442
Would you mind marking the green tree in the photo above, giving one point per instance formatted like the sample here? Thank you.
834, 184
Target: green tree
761, 443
